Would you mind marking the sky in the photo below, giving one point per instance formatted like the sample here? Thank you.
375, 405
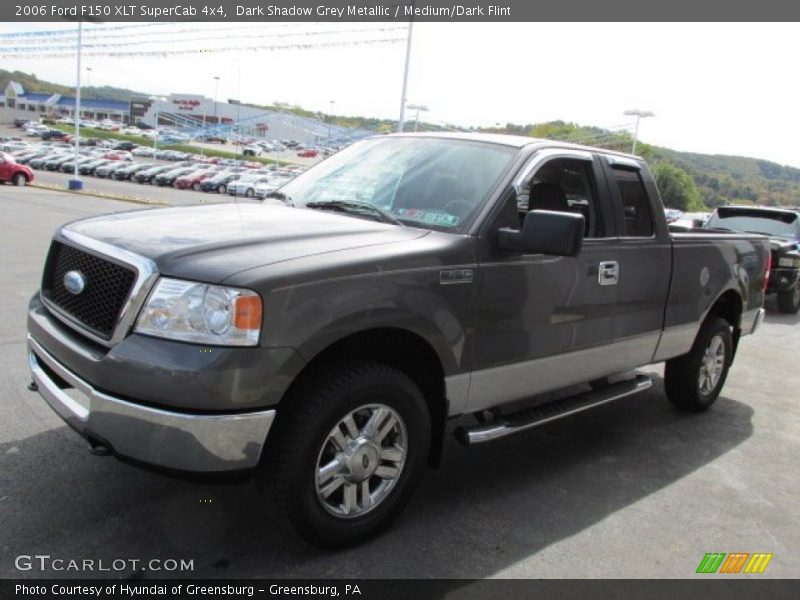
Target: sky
723, 88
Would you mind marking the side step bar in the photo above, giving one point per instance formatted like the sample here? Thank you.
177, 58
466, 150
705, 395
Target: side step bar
539, 415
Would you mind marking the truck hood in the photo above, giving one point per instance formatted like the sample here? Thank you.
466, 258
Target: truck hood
211, 243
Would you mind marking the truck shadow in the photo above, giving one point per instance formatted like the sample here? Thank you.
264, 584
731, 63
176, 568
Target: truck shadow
485, 509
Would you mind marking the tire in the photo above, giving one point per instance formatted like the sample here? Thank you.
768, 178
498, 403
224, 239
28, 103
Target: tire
692, 381
249, 193
303, 437
197, 187
222, 189
789, 301
19, 180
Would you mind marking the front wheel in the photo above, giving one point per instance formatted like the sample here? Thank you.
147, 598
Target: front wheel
19, 180
693, 381
347, 450
789, 301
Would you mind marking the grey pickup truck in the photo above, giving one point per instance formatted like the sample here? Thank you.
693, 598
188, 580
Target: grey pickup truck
323, 339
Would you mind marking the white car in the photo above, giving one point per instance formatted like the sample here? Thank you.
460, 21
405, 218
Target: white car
274, 182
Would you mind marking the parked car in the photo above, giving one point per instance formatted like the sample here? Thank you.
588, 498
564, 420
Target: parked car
219, 183
148, 175
782, 226
169, 177
129, 146
13, 172
325, 338
246, 186
194, 179
89, 167
308, 153
53, 134
126, 171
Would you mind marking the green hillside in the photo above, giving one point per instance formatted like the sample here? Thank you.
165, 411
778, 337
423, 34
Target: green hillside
34, 85
717, 179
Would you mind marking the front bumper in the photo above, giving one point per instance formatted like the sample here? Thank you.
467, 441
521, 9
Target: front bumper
169, 439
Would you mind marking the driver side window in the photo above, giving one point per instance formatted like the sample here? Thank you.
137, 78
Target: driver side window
564, 185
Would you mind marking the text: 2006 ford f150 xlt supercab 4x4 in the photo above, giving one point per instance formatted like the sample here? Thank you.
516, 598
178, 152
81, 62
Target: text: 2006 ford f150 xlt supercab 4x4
323, 338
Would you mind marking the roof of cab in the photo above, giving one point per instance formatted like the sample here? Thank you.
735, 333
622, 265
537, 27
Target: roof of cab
516, 141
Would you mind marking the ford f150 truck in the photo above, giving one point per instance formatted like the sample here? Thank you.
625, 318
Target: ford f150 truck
323, 338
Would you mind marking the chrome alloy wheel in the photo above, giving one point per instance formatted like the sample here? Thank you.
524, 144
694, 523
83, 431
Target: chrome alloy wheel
361, 460
712, 365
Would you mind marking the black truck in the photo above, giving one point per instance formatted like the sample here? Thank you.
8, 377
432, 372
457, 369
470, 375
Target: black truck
782, 226
323, 338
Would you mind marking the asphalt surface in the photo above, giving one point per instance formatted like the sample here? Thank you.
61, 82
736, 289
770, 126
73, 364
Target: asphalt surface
632, 489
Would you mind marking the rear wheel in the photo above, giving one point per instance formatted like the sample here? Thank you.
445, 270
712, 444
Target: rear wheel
249, 193
789, 301
346, 452
693, 381
19, 179
222, 189
196, 187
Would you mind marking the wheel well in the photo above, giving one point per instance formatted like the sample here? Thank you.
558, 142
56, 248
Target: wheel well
729, 307
407, 352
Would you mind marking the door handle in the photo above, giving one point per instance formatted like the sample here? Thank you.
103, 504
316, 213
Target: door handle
608, 272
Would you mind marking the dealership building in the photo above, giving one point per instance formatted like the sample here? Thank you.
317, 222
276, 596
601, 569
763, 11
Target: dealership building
190, 112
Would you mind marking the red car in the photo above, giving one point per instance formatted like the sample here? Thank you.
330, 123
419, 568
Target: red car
12, 171
308, 153
193, 180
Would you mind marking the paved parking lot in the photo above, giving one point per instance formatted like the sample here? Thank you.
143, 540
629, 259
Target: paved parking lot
633, 489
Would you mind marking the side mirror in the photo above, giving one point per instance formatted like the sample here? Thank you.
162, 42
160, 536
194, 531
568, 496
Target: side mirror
546, 232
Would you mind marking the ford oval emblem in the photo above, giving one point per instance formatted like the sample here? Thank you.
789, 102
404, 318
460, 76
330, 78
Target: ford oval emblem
74, 281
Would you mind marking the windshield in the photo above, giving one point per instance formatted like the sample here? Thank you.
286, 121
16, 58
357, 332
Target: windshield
428, 182
777, 224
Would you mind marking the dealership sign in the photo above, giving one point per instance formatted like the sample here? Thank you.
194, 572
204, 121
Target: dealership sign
186, 104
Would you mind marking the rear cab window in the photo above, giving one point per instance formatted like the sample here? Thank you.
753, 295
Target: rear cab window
637, 214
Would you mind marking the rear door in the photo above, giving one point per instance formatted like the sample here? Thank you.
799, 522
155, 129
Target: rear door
645, 259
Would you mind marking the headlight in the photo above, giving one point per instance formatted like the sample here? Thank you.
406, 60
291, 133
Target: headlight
201, 313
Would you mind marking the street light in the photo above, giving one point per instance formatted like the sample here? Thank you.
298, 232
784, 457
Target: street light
402, 121
216, 89
639, 114
155, 99
417, 107
88, 79
75, 183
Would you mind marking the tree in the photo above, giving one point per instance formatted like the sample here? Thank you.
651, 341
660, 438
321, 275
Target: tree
677, 188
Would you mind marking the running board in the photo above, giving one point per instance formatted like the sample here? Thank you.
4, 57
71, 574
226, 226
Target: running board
539, 415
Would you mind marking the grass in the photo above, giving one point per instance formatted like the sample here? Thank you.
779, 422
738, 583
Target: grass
102, 134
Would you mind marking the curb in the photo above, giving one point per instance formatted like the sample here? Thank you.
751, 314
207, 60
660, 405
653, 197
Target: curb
104, 195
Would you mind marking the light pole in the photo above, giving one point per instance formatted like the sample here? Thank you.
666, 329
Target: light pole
402, 120
639, 114
156, 99
88, 79
216, 89
75, 183
417, 107
330, 120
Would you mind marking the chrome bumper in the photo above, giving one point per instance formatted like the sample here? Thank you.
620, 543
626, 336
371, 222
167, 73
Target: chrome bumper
187, 442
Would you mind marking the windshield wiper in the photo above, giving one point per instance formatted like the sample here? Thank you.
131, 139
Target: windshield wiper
356, 208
